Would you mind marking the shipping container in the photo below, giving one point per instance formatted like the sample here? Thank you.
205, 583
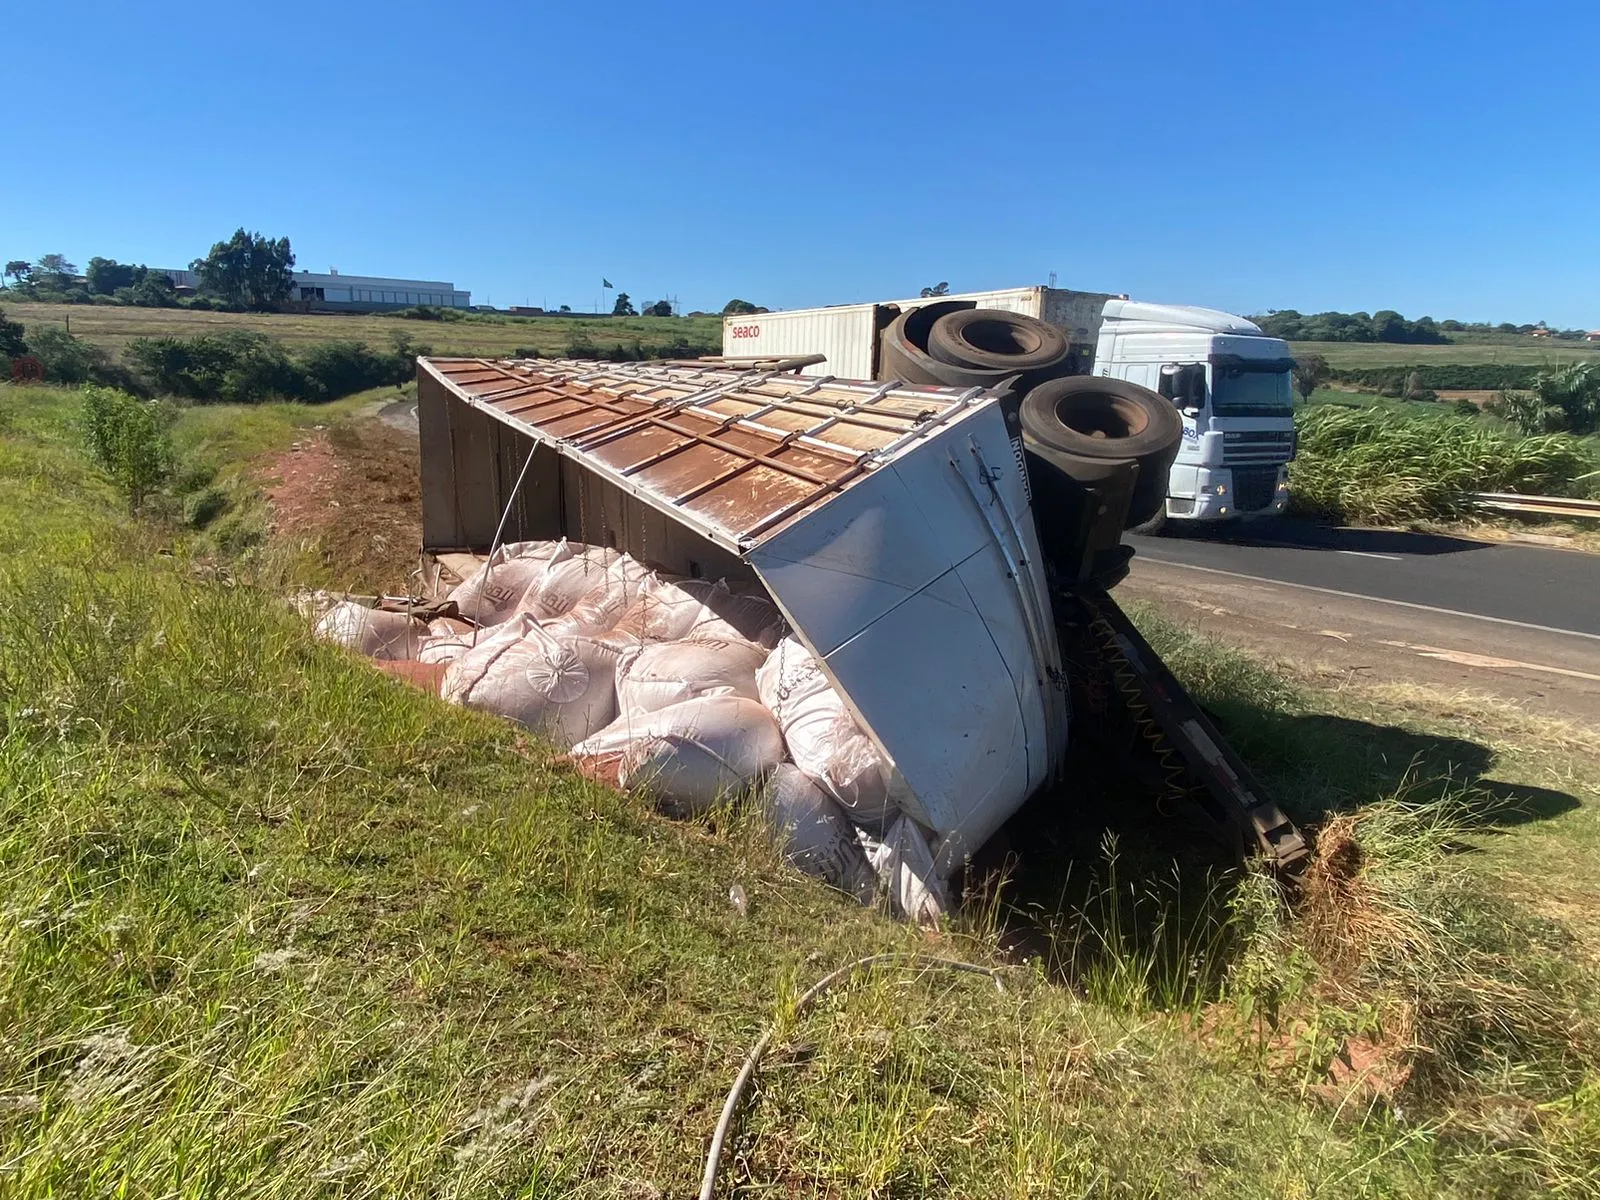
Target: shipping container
847, 334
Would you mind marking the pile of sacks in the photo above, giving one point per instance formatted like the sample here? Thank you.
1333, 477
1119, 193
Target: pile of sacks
686, 690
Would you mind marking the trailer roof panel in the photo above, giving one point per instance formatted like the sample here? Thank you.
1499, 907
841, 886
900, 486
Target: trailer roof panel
734, 450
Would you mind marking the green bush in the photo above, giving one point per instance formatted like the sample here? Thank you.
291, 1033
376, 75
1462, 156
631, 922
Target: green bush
202, 507
345, 367
71, 360
130, 439
242, 367
1367, 464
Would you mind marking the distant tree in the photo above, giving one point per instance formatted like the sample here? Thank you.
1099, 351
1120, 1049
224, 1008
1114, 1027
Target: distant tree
151, 289
1451, 326
249, 270
54, 269
565, 308
939, 289
18, 269
661, 308
734, 308
106, 275
1310, 372
623, 307
12, 343
1505, 327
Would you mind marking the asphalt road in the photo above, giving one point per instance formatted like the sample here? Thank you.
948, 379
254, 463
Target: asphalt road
1531, 586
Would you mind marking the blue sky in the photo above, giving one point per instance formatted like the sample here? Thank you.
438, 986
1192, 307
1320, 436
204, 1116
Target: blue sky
1432, 158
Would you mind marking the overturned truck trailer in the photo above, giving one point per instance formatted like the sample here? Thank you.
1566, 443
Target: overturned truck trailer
890, 524
893, 525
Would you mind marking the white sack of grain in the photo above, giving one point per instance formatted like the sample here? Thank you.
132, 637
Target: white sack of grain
727, 614
689, 755
491, 594
377, 634
563, 687
903, 863
568, 579
600, 608
667, 673
448, 639
823, 738
815, 834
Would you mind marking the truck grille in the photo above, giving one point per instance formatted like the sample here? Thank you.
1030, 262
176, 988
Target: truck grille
1253, 488
1274, 447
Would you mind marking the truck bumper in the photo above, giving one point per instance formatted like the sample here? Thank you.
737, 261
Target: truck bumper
1209, 494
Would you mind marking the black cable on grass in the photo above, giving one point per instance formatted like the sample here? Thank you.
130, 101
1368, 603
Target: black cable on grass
708, 1182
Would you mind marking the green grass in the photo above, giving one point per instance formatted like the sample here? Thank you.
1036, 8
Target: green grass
1425, 409
279, 927
1490, 348
112, 327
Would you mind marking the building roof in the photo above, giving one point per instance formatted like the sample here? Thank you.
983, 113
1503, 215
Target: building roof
736, 452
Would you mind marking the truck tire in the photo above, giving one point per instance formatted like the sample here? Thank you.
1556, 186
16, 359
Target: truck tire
903, 352
1088, 426
990, 339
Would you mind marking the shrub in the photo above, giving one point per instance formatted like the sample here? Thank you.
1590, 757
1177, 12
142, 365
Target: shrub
238, 367
204, 506
130, 439
241, 367
525, 352
1371, 465
345, 367
69, 359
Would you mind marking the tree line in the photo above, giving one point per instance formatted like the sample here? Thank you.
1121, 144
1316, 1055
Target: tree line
1384, 326
246, 273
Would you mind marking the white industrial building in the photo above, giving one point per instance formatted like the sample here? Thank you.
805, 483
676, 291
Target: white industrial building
358, 293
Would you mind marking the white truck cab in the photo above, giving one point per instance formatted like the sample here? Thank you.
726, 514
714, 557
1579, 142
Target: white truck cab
1231, 384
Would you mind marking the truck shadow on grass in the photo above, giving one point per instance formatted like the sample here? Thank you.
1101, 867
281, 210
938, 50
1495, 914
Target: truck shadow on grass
1126, 895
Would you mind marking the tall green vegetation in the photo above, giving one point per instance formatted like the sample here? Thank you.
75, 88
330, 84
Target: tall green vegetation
1565, 399
1373, 465
130, 439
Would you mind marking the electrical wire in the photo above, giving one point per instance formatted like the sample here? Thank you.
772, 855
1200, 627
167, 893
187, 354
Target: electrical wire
708, 1181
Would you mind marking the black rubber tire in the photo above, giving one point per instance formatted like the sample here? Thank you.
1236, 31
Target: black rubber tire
1087, 426
903, 353
1089, 416
993, 340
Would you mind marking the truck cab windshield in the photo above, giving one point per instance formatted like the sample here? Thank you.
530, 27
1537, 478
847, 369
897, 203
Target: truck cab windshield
1239, 392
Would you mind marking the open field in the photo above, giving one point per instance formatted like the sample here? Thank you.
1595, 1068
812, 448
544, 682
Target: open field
112, 327
1503, 349
277, 926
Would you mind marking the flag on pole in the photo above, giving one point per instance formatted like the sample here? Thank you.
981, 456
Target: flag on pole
604, 282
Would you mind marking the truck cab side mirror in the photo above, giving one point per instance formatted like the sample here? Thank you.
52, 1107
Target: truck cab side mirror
1185, 386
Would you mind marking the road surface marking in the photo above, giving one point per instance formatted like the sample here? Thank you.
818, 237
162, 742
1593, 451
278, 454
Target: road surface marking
1370, 554
1311, 587
1483, 660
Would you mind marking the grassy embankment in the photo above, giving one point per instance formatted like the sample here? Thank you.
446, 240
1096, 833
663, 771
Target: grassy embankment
1465, 348
113, 327
279, 926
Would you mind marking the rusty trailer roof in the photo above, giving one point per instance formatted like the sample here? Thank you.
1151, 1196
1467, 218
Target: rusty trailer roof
736, 452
